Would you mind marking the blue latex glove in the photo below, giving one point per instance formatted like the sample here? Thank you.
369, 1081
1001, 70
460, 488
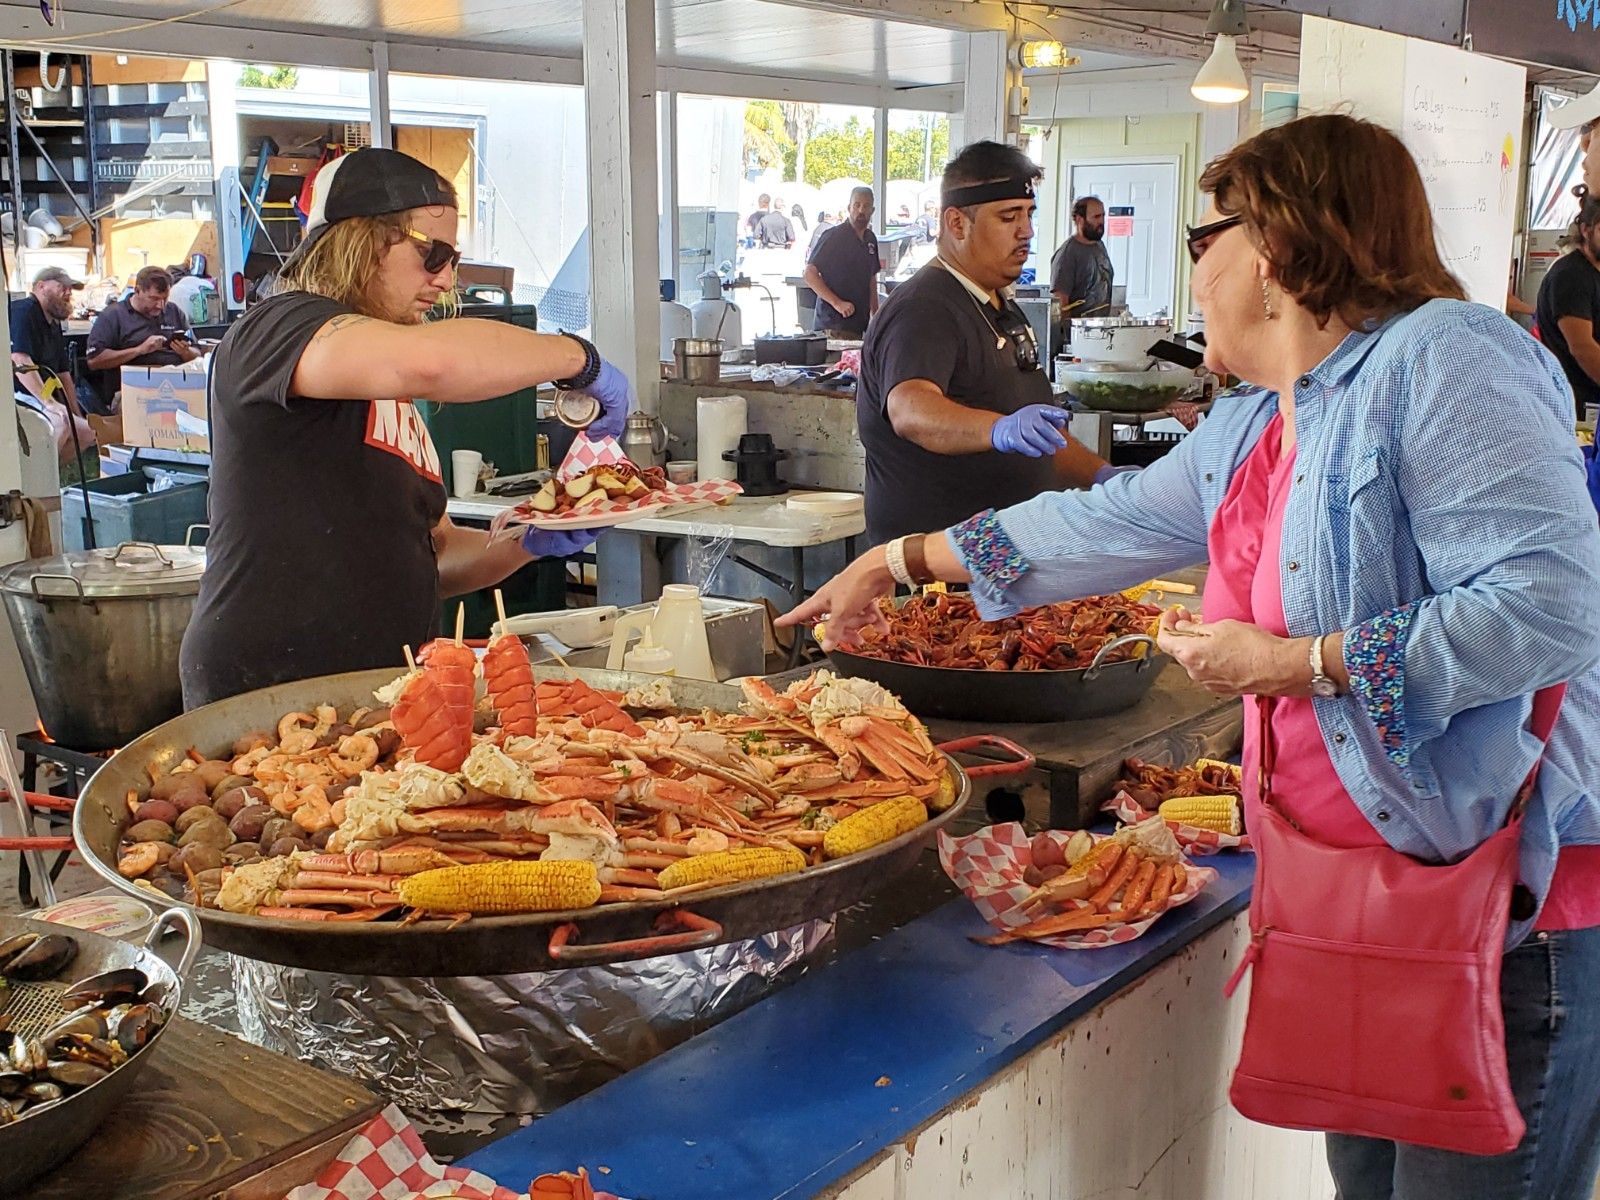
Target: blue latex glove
615, 393
1107, 471
1035, 431
558, 543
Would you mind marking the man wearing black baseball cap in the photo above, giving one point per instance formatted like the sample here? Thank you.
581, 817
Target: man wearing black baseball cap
39, 362
329, 546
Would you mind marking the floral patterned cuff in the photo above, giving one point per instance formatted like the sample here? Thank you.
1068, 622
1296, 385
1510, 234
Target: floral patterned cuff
987, 551
1375, 656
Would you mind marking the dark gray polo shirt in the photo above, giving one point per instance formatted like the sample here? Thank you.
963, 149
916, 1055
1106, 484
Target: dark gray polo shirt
121, 327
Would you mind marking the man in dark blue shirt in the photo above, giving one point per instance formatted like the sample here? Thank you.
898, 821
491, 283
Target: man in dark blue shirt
842, 269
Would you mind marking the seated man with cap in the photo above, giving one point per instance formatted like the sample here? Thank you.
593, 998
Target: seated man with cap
145, 330
42, 374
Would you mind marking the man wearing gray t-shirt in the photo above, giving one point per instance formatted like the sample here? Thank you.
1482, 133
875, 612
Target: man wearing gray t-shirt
1081, 272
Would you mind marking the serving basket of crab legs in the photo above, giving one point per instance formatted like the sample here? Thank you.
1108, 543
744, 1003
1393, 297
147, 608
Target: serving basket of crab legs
486, 819
1060, 662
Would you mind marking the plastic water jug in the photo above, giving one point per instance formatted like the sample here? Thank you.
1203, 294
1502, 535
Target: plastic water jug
677, 623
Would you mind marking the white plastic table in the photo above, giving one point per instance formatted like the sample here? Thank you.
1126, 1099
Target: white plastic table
760, 520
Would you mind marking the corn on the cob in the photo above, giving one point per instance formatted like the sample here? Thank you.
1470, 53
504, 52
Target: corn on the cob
1219, 813
503, 887
732, 866
873, 826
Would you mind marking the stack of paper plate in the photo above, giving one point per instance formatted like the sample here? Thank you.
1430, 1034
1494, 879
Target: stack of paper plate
827, 504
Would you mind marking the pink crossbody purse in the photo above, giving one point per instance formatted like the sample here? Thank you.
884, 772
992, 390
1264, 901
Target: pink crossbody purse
1375, 982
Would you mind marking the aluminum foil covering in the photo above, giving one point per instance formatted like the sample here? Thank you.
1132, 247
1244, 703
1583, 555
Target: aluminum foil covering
510, 1043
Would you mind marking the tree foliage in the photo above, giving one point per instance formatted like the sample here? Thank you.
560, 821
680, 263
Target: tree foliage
281, 79
766, 141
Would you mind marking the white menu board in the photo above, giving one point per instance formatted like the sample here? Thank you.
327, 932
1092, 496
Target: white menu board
1459, 113
1461, 116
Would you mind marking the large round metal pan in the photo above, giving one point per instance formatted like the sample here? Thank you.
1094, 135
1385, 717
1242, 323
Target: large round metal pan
483, 945
1001, 697
32, 1145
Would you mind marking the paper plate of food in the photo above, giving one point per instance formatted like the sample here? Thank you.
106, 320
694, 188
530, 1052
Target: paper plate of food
598, 486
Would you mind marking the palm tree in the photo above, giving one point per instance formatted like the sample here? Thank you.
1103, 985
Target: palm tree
799, 120
764, 134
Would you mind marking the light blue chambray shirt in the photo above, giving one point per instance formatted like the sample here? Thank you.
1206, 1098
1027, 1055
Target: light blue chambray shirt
1438, 515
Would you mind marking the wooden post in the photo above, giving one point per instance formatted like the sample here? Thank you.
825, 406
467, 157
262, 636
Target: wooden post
619, 73
378, 92
985, 114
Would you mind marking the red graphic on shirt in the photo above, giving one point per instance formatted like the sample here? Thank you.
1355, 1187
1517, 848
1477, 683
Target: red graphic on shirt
397, 427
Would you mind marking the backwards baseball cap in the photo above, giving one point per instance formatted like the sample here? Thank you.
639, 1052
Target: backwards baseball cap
57, 275
1578, 111
370, 182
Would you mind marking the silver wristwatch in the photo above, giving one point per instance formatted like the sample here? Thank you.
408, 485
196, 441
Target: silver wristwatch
1321, 685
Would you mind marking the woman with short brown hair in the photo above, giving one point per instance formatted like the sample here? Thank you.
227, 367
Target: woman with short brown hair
1402, 555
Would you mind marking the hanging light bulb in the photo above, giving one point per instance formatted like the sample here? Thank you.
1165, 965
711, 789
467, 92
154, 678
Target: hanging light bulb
1222, 80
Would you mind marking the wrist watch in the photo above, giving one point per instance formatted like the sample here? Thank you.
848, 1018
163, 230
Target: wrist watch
1322, 686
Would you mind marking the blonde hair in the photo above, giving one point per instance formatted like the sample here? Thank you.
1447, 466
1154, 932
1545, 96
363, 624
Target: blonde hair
344, 261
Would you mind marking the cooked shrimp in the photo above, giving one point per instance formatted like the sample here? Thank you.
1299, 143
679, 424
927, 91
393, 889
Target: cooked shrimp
356, 753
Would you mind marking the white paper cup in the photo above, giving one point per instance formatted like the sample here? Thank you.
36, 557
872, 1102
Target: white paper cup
465, 466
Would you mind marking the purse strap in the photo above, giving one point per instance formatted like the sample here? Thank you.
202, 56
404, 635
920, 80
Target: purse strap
1541, 723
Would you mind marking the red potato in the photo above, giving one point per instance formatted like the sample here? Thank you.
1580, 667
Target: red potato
1046, 851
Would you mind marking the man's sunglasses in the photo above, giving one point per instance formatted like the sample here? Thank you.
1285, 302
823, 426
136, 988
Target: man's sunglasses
1200, 236
436, 255
1016, 328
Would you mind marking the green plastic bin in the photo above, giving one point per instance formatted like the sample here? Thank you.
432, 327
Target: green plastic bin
152, 504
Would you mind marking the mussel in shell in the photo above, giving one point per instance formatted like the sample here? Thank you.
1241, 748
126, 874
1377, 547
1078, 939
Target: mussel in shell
73, 1074
92, 1022
45, 957
132, 1025
121, 985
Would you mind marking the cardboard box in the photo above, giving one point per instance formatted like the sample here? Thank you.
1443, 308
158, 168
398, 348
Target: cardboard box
165, 407
469, 272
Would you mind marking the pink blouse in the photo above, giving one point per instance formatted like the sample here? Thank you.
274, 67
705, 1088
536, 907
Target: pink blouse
1244, 585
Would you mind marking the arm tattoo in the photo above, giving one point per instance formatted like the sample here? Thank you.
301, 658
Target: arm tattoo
337, 323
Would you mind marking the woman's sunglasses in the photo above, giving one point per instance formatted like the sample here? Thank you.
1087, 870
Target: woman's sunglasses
436, 255
1201, 236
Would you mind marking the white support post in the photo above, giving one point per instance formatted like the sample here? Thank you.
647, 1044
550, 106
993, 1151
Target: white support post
378, 95
880, 166
619, 71
985, 110
667, 140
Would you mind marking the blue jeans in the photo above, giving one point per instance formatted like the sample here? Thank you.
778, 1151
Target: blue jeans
1550, 991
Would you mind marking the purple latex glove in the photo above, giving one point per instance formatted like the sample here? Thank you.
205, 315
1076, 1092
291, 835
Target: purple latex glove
1035, 431
558, 543
1107, 471
615, 393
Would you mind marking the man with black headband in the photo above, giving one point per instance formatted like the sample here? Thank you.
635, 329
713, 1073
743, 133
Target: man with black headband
953, 406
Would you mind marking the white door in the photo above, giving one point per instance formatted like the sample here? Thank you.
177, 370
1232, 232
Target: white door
1145, 260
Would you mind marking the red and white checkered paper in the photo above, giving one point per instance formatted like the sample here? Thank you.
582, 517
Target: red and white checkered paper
387, 1161
585, 454
1192, 838
988, 865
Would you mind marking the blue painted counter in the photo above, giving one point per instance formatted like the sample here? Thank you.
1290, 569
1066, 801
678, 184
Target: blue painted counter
784, 1099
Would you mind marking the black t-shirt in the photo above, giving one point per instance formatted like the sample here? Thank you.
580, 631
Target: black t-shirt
122, 327
320, 557
932, 328
850, 266
1570, 289
36, 334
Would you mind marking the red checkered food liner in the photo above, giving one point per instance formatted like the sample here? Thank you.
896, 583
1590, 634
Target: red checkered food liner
585, 454
387, 1161
1192, 838
988, 865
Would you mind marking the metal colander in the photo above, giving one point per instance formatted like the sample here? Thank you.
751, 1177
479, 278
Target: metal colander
36, 1143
